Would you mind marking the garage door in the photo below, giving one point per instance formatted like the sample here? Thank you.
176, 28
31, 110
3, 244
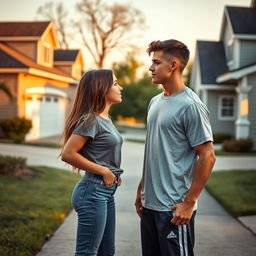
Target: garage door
47, 113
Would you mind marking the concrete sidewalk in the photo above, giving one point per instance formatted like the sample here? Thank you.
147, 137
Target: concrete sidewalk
217, 233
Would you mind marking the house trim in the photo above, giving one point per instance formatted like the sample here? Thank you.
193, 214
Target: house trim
38, 72
242, 123
47, 30
245, 37
226, 19
19, 38
13, 70
220, 117
41, 73
236, 74
217, 87
46, 90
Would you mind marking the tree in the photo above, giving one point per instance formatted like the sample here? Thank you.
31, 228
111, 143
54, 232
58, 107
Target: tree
57, 13
136, 98
106, 27
4, 88
187, 73
126, 72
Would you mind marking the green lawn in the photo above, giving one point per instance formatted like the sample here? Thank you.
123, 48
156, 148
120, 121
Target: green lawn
223, 153
37, 144
32, 208
235, 190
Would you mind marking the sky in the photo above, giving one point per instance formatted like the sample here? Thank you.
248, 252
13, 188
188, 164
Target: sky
184, 20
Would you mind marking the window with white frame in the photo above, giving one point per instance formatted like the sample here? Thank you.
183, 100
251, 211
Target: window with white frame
226, 107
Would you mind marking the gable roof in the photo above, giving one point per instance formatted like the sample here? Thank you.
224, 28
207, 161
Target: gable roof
16, 59
21, 29
242, 20
65, 55
212, 61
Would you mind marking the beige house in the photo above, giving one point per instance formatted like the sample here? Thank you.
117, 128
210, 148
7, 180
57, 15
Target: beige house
42, 77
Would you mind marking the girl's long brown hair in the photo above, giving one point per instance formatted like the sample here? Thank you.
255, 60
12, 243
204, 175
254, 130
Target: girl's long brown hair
89, 100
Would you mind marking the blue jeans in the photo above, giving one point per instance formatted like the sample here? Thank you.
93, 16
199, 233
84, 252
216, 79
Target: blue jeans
95, 207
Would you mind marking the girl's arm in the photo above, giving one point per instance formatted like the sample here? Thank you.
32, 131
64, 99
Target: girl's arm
71, 156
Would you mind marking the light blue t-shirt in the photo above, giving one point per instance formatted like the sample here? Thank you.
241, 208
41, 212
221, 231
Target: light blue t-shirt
175, 124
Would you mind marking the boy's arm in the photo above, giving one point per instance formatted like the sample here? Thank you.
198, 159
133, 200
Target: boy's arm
138, 203
203, 168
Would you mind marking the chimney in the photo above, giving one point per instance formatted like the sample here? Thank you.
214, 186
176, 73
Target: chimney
253, 4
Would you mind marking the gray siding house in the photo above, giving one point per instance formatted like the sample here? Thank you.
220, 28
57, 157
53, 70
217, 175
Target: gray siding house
224, 74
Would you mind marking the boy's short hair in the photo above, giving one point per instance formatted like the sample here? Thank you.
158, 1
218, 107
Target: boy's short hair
171, 47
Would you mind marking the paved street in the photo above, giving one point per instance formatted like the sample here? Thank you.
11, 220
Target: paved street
217, 233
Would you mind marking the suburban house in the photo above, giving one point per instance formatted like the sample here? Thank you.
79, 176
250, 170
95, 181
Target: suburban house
41, 76
224, 74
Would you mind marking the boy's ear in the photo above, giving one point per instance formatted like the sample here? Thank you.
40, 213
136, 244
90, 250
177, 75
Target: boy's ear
173, 65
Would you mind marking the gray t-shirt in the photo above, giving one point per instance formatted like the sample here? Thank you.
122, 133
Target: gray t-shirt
175, 125
104, 144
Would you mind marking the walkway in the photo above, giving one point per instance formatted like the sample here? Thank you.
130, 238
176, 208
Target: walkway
217, 233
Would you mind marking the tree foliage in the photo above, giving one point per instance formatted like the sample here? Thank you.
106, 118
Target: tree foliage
126, 72
136, 98
107, 27
187, 74
102, 28
136, 93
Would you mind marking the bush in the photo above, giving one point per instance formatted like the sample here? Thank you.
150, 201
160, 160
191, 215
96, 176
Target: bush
241, 145
221, 137
16, 128
9, 165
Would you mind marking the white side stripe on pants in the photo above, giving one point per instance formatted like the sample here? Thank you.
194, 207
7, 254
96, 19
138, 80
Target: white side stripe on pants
183, 240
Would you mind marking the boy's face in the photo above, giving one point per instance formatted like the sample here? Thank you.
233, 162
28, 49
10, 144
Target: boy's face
161, 68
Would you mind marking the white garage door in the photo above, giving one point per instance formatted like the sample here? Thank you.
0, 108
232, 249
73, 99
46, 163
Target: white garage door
47, 113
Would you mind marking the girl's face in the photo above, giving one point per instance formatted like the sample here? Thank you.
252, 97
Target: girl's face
113, 94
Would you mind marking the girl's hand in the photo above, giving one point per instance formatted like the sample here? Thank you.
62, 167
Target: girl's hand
119, 182
109, 178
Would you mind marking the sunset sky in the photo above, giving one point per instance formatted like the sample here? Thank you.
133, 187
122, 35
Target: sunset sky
185, 20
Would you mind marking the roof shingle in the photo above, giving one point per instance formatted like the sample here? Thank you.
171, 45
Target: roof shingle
17, 29
27, 62
65, 55
6, 61
212, 61
243, 20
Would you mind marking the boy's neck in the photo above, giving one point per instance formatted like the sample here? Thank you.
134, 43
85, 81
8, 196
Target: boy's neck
173, 86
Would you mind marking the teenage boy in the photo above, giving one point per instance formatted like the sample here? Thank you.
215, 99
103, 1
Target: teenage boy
178, 159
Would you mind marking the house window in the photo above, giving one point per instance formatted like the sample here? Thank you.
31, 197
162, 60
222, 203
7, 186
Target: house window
48, 99
227, 108
47, 54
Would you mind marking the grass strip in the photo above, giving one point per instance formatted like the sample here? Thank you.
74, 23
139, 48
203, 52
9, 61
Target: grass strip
235, 190
32, 208
37, 144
